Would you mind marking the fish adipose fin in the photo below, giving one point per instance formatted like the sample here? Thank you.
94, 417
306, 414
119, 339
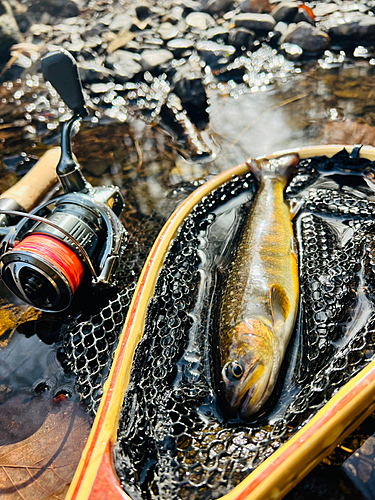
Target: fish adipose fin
280, 304
283, 166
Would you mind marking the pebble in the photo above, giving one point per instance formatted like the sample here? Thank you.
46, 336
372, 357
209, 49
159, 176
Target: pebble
121, 22
9, 31
255, 6
285, 12
324, 9
167, 31
59, 8
260, 23
291, 51
309, 38
200, 20
180, 45
151, 59
217, 48
302, 15
218, 34
125, 64
217, 6
188, 86
142, 12
215, 54
352, 27
91, 71
280, 28
241, 37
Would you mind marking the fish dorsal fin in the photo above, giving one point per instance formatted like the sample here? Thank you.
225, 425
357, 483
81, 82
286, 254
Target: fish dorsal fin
280, 304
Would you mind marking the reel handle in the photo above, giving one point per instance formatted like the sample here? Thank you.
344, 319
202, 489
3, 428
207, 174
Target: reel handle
60, 69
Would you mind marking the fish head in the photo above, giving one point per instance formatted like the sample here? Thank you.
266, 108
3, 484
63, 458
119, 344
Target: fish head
247, 373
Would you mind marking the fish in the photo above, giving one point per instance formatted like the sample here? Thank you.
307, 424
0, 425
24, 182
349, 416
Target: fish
260, 302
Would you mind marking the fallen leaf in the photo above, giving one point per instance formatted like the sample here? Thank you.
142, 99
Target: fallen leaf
120, 41
42, 465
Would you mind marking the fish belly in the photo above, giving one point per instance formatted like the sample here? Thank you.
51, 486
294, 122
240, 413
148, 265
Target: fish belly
266, 257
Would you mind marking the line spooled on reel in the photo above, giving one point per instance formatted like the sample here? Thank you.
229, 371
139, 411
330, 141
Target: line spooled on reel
74, 238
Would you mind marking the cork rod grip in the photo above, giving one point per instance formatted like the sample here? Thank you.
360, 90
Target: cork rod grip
32, 188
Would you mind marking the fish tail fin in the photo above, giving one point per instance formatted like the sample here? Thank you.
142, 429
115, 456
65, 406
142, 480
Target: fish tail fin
283, 166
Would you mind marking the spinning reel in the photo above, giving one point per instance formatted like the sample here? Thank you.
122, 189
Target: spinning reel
73, 238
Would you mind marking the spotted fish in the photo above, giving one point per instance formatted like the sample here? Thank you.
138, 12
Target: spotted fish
260, 303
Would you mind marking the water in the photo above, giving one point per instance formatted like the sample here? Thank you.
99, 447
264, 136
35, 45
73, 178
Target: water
329, 101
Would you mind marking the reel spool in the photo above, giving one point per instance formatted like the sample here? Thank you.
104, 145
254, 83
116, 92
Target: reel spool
74, 238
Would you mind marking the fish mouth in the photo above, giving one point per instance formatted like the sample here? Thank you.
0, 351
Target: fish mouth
245, 409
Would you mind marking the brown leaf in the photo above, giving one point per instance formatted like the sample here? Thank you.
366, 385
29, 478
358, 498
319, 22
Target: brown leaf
13, 316
42, 465
120, 41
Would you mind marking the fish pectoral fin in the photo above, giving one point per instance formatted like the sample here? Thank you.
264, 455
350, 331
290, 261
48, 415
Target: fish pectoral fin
294, 207
280, 304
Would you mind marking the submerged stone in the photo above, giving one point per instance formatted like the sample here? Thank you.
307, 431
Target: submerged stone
151, 59
200, 20
241, 37
179, 45
217, 6
167, 31
285, 12
352, 26
260, 23
125, 64
309, 38
256, 6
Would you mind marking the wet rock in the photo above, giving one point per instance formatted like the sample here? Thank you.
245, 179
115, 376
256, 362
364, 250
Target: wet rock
241, 37
325, 9
9, 32
150, 41
121, 22
309, 38
188, 86
142, 12
217, 34
167, 31
179, 46
200, 20
303, 16
352, 27
215, 54
217, 6
291, 51
151, 59
285, 12
92, 71
260, 23
125, 64
256, 6
190, 6
57, 8
280, 28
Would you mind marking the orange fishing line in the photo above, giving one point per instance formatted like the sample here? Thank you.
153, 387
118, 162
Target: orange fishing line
57, 253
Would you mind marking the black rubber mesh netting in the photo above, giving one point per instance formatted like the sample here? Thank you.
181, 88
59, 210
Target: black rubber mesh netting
88, 338
174, 439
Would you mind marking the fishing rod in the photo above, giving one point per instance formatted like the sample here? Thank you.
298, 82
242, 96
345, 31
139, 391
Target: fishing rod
70, 240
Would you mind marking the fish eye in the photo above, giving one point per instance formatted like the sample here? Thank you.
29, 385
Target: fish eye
236, 370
